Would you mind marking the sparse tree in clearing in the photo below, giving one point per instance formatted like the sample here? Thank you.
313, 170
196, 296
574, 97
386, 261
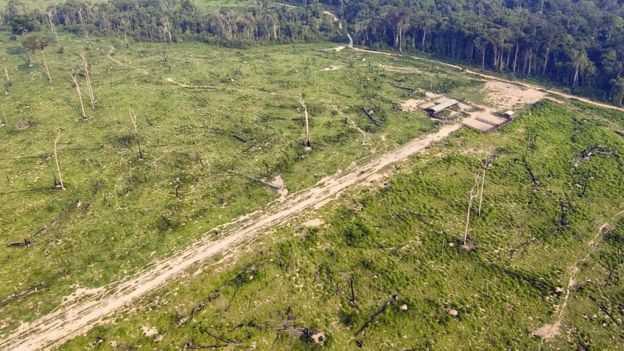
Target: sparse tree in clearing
52, 27
486, 164
133, 119
86, 66
471, 198
36, 42
60, 184
308, 144
7, 81
77, 86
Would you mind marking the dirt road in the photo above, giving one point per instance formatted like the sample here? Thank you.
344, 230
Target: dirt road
79, 316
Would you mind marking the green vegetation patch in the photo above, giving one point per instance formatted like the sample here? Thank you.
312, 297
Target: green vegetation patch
386, 269
120, 211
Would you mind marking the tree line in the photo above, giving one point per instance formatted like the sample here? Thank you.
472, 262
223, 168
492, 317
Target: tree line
575, 43
578, 44
174, 20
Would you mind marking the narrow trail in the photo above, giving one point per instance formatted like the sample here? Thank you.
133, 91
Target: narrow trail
79, 316
550, 331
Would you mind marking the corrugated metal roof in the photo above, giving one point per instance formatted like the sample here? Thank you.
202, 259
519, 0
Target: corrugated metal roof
443, 105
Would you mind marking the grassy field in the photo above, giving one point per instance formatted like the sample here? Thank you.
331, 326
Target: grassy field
120, 212
540, 213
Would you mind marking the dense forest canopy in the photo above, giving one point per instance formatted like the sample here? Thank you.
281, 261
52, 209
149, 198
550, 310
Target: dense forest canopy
577, 44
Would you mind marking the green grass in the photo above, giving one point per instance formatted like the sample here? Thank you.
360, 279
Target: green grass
205, 6
120, 212
403, 239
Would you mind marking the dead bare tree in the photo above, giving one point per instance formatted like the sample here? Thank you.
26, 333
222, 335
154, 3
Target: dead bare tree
133, 118
308, 144
6, 123
486, 165
471, 198
77, 86
52, 27
352, 300
86, 66
166, 30
58, 168
7, 81
45, 66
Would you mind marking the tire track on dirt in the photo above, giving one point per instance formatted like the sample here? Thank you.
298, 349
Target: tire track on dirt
79, 316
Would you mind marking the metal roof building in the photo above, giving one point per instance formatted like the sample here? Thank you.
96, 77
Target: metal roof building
442, 106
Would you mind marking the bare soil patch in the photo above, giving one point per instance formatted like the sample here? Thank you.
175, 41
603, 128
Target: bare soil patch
317, 222
507, 95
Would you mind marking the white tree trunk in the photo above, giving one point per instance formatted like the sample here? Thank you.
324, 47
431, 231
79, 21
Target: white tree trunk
77, 86
58, 168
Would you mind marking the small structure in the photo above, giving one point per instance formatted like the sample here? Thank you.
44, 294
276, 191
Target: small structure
475, 124
443, 105
427, 105
509, 114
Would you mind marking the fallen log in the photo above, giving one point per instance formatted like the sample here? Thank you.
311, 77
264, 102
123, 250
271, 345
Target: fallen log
267, 184
374, 316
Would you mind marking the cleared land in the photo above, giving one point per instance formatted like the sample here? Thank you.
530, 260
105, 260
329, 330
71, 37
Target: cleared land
402, 237
196, 143
358, 104
78, 316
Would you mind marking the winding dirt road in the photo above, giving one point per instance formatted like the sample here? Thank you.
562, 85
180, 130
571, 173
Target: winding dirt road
77, 317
